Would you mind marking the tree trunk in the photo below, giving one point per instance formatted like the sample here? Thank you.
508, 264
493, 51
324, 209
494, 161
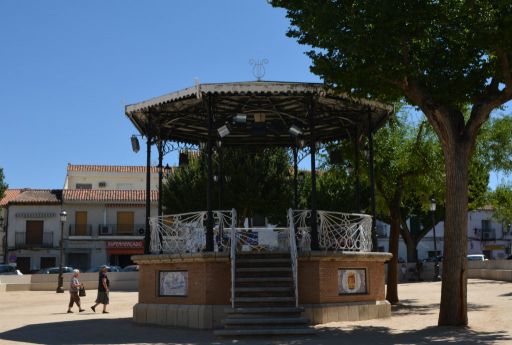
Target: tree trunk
394, 236
412, 252
453, 310
411, 243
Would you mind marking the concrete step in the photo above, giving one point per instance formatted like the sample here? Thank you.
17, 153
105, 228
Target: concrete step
264, 269
258, 255
263, 261
263, 310
253, 321
263, 279
264, 299
264, 331
264, 289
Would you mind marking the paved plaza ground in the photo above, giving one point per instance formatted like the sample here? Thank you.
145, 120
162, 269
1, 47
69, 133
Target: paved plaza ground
35, 317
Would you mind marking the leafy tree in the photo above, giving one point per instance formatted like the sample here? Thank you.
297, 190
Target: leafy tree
408, 162
445, 57
259, 184
501, 200
3, 185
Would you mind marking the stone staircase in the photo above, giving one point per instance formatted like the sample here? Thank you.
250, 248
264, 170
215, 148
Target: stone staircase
264, 298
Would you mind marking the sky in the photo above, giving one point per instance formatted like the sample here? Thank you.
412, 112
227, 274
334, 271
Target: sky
68, 68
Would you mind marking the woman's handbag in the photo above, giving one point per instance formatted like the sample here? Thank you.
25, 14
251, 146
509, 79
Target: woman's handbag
81, 291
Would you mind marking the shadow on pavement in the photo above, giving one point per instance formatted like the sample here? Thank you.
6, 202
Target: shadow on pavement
486, 282
441, 335
411, 306
122, 331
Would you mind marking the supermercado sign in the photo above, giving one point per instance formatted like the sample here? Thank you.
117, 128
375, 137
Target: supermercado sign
125, 244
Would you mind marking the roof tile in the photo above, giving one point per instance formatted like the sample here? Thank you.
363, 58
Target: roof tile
108, 195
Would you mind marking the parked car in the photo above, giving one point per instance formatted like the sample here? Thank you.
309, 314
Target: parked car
476, 257
55, 270
109, 269
6, 269
131, 268
509, 257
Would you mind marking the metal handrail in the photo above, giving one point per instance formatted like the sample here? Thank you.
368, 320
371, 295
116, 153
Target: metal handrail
233, 256
293, 255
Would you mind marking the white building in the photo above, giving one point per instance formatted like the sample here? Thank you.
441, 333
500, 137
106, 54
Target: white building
33, 227
105, 224
106, 213
485, 236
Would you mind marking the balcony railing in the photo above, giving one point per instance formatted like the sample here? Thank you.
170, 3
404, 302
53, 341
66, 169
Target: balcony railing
22, 241
484, 234
80, 229
121, 229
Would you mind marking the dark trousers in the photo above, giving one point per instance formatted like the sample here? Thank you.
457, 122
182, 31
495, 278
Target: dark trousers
74, 298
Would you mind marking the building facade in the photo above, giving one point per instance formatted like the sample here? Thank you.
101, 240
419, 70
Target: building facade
106, 213
33, 228
485, 236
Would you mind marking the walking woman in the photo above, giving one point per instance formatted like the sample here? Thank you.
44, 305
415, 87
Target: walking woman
103, 290
73, 292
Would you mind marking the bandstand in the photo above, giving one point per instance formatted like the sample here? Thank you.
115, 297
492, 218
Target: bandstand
203, 270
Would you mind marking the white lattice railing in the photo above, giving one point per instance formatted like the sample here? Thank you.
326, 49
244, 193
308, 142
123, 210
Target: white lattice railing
336, 230
186, 232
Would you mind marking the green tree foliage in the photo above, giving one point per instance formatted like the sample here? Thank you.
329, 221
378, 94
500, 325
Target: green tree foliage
501, 200
409, 164
449, 58
3, 185
260, 183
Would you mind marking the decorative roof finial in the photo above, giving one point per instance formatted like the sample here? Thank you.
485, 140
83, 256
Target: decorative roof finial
258, 70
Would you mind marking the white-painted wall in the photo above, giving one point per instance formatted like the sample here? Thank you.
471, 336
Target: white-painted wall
113, 180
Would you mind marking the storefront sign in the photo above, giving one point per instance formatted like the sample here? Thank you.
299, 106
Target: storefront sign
125, 244
494, 247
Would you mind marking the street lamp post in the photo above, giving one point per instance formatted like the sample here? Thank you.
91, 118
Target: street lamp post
5, 238
63, 218
436, 258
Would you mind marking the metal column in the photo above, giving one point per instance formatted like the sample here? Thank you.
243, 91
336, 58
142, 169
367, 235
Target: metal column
295, 177
209, 192
372, 184
147, 232
356, 171
314, 224
160, 177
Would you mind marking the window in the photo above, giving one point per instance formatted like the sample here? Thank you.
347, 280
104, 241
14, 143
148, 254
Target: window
84, 186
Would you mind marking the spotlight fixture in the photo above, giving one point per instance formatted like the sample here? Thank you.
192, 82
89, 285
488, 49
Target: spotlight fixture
219, 143
135, 144
240, 118
223, 131
295, 130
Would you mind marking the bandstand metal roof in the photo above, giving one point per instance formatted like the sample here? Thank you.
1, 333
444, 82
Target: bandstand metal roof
270, 108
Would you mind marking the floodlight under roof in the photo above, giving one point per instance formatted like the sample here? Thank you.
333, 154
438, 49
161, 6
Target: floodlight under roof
240, 118
223, 131
295, 130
